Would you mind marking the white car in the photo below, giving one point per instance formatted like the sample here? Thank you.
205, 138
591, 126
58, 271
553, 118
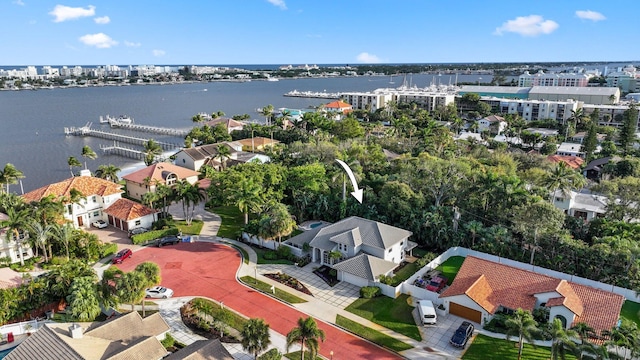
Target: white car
100, 224
159, 292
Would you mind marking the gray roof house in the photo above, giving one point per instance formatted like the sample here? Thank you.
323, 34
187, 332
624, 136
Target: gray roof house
202, 350
368, 248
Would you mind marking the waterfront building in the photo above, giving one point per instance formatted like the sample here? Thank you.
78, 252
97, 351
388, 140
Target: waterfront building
11, 247
570, 149
532, 110
147, 179
627, 79
371, 101
429, 98
195, 157
587, 95
610, 115
504, 92
553, 79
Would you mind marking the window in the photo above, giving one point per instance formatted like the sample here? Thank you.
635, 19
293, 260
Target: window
96, 213
94, 199
184, 161
70, 208
138, 222
390, 250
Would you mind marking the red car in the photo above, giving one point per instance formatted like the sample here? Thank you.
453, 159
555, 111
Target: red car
121, 255
437, 283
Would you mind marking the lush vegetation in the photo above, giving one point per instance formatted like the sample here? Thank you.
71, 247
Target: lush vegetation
394, 314
266, 288
488, 348
190, 229
631, 312
374, 336
231, 217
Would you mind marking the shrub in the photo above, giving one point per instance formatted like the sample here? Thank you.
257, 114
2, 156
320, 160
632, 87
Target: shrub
168, 341
272, 354
387, 280
5, 261
497, 324
284, 252
427, 258
333, 272
108, 249
143, 238
270, 255
163, 224
369, 292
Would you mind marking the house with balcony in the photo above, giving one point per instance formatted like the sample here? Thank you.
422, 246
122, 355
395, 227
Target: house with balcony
367, 249
147, 179
11, 248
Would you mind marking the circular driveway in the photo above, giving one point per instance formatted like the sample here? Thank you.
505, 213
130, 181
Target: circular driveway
209, 270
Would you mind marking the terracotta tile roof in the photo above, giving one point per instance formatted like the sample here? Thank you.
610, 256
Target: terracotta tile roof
339, 106
573, 162
257, 141
159, 172
492, 285
227, 122
87, 185
493, 118
125, 209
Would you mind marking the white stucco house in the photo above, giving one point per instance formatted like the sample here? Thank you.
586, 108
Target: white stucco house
581, 205
147, 179
496, 121
194, 158
10, 246
368, 248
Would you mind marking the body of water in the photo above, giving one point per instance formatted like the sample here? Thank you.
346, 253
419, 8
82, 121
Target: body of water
32, 122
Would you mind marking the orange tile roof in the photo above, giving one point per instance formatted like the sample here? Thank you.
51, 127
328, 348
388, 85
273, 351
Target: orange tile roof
257, 141
159, 172
337, 105
125, 209
227, 122
87, 185
515, 288
573, 162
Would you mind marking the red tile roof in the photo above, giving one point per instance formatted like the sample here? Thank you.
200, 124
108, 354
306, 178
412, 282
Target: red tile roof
159, 172
87, 185
125, 209
492, 285
339, 106
573, 162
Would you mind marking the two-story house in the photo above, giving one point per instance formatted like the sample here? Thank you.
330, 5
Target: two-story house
147, 179
195, 157
10, 246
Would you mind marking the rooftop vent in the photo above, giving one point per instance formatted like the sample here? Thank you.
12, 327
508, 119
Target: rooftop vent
75, 331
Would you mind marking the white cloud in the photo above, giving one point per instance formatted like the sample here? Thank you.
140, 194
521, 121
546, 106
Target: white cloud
367, 58
19, 2
64, 13
590, 15
131, 44
278, 3
102, 20
158, 53
532, 25
99, 40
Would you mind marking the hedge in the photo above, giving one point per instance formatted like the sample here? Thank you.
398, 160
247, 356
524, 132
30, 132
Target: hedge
144, 238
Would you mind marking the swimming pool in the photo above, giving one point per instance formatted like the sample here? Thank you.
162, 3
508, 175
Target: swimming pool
315, 225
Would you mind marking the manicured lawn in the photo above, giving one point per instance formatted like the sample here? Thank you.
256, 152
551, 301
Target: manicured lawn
262, 260
404, 273
451, 267
232, 221
296, 355
631, 311
394, 314
193, 229
487, 348
372, 335
266, 288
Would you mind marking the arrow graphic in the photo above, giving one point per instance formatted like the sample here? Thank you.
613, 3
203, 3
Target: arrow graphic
357, 193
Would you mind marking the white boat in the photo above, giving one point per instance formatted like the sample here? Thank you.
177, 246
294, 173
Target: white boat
120, 120
272, 79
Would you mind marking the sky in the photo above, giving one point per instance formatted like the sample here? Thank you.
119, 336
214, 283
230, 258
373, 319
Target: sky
186, 32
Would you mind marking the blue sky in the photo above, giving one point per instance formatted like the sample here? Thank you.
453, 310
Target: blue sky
100, 32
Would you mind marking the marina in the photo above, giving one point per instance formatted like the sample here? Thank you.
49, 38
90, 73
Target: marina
313, 94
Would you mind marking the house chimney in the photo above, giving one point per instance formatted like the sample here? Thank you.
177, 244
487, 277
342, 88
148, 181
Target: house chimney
85, 172
75, 331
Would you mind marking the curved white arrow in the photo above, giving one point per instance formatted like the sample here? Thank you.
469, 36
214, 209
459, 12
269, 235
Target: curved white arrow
357, 193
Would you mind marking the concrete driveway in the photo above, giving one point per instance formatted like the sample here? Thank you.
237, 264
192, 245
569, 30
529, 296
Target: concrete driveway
111, 235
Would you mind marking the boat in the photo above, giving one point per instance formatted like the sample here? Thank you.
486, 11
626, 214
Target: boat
391, 80
120, 120
272, 79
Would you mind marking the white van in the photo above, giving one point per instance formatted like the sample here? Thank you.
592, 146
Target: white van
427, 312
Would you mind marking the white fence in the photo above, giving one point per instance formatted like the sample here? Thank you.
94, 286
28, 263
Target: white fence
269, 244
22, 328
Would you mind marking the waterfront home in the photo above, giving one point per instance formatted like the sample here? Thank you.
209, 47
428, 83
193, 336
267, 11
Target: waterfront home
483, 288
367, 249
570, 149
257, 143
147, 179
229, 124
338, 106
11, 248
127, 214
127, 336
494, 123
194, 158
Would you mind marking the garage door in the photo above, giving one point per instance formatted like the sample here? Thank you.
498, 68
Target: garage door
465, 312
355, 280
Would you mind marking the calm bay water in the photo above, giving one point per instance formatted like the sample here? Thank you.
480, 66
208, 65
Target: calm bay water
32, 122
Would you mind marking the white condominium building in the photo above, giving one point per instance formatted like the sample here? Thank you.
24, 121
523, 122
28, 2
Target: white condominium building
531, 110
560, 79
429, 98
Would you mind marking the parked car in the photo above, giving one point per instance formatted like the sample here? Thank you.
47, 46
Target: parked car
122, 255
159, 292
437, 283
168, 240
462, 334
138, 230
100, 224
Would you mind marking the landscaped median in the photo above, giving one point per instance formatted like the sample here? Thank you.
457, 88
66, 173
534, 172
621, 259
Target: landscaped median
266, 288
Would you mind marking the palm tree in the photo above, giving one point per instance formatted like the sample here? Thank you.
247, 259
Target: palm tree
190, 196
563, 178
108, 172
131, 288
64, 233
88, 153
17, 221
10, 175
276, 222
255, 336
246, 195
223, 154
267, 112
73, 162
83, 299
165, 193
560, 340
474, 228
40, 235
151, 274
151, 150
306, 333
584, 331
522, 325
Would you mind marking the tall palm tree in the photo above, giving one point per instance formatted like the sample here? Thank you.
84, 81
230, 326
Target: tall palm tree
307, 334
246, 195
190, 196
165, 193
10, 175
151, 274
563, 178
73, 162
267, 112
108, 172
40, 235
474, 228
151, 150
64, 233
88, 153
523, 326
223, 154
255, 336
83, 299
17, 221
561, 340
583, 331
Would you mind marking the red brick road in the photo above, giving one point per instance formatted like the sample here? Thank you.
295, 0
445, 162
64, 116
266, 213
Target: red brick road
209, 270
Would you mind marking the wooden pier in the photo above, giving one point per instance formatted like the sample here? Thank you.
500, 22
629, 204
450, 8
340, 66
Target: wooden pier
125, 151
88, 131
151, 129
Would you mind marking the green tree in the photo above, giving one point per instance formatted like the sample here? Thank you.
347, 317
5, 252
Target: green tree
561, 340
152, 150
17, 222
190, 196
246, 196
151, 273
267, 112
277, 222
223, 153
88, 153
590, 142
307, 334
564, 179
73, 162
10, 175
474, 228
622, 196
522, 325
348, 128
39, 235
627, 135
108, 172
64, 233
131, 288
584, 332
255, 336
83, 299
527, 221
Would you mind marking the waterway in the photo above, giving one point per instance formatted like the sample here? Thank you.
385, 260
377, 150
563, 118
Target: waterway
32, 122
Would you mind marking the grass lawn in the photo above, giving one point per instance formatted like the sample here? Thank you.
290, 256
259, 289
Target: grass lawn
232, 221
296, 355
266, 288
372, 335
404, 273
451, 267
262, 260
394, 314
630, 311
487, 348
193, 229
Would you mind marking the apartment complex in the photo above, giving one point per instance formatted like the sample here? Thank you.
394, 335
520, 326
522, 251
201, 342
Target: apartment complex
429, 98
560, 79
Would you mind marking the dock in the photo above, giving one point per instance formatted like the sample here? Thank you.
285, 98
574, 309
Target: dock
313, 94
150, 129
125, 151
88, 131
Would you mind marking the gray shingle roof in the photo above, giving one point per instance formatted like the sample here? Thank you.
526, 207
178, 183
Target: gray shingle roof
129, 327
349, 238
365, 266
202, 350
44, 344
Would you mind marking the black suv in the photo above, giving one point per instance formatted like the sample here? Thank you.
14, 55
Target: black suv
462, 335
138, 230
167, 240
